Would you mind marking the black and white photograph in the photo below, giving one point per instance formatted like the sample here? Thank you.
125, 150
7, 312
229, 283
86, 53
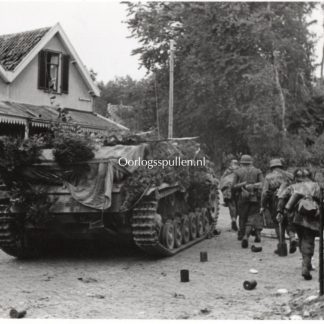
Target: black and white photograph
161, 160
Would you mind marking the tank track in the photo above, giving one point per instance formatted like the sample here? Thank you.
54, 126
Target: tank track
12, 241
146, 235
7, 239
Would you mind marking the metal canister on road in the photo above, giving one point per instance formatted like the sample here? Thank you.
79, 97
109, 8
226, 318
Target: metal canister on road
184, 275
249, 284
203, 256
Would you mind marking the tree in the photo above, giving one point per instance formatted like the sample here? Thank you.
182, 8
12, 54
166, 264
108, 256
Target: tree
140, 95
229, 85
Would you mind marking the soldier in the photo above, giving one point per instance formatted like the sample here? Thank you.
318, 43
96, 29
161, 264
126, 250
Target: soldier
275, 181
230, 199
300, 201
248, 182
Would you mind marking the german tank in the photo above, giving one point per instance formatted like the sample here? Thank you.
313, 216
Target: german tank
114, 197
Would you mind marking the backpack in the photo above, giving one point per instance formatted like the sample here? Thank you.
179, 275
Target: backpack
308, 207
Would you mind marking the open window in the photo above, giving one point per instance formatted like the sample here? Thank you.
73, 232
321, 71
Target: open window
53, 71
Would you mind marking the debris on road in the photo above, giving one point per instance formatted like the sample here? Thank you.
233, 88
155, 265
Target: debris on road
311, 298
205, 311
180, 296
311, 307
254, 271
184, 275
256, 248
282, 291
96, 296
203, 256
249, 284
88, 280
13, 313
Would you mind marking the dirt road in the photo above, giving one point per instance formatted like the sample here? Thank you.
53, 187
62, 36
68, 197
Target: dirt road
130, 285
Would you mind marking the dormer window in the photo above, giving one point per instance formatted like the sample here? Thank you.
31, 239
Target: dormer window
53, 72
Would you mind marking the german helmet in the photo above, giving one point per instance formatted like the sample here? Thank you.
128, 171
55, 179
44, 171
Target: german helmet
246, 159
275, 163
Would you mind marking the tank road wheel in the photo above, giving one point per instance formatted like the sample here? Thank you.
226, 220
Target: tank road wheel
206, 220
177, 232
173, 230
193, 225
185, 229
214, 204
200, 223
168, 237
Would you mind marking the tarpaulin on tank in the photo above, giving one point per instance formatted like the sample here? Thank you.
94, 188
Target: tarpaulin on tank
94, 186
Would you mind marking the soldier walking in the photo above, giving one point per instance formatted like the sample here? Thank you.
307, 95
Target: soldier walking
229, 196
277, 180
248, 183
300, 201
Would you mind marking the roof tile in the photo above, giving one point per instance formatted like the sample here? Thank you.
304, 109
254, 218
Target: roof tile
14, 47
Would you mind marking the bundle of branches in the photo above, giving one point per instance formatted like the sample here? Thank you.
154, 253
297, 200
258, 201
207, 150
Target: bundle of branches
128, 138
14, 154
194, 179
69, 148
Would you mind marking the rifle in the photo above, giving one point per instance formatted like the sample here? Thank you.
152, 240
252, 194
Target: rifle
239, 185
282, 245
321, 268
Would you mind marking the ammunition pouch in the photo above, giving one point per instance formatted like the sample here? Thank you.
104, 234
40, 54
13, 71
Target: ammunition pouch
251, 196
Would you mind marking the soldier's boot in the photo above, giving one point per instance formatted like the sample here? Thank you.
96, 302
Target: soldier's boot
292, 242
240, 235
234, 225
277, 233
245, 240
305, 267
257, 236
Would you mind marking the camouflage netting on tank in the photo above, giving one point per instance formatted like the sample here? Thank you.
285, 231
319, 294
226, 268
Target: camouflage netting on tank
91, 185
26, 185
196, 180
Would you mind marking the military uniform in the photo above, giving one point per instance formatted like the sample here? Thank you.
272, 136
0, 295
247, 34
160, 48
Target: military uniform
301, 201
247, 182
274, 182
229, 196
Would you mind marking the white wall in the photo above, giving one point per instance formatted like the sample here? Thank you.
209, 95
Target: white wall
3, 90
24, 88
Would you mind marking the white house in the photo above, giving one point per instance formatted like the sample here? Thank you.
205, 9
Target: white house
41, 74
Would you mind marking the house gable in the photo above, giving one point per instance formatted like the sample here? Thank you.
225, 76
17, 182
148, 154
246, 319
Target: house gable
24, 88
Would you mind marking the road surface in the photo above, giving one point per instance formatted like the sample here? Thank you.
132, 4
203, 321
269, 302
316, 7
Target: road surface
130, 285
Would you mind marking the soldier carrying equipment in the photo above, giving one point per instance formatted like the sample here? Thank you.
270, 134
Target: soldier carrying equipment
274, 182
229, 196
247, 182
300, 201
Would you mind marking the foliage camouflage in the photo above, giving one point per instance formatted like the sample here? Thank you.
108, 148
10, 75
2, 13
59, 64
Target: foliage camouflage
195, 180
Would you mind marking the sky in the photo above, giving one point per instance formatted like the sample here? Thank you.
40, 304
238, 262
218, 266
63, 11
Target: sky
96, 30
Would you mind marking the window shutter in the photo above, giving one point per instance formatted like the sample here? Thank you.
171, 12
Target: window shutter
42, 84
65, 74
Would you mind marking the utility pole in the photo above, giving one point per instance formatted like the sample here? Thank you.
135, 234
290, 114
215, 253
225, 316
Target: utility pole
321, 265
156, 106
322, 63
171, 63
